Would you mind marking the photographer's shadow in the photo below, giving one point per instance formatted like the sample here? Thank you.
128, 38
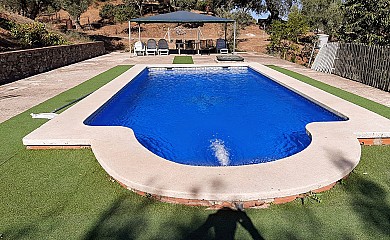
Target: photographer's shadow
224, 222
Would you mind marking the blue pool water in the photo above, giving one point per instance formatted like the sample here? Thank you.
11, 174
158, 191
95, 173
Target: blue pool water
212, 116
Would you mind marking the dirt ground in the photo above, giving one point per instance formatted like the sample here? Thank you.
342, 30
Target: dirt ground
250, 39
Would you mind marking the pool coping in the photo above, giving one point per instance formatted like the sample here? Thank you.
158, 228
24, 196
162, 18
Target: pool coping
335, 149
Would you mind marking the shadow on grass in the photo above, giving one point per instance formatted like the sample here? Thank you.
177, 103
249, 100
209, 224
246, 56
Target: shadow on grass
368, 198
145, 219
124, 220
121, 221
224, 223
369, 202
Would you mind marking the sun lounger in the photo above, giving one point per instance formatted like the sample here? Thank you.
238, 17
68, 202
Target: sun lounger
151, 47
163, 48
221, 46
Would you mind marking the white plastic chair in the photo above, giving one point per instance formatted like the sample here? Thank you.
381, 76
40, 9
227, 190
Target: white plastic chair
139, 48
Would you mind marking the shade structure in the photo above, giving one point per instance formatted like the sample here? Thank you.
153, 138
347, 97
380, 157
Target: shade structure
183, 17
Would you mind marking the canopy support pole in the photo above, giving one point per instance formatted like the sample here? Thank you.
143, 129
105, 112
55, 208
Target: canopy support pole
130, 38
225, 30
234, 37
139, 32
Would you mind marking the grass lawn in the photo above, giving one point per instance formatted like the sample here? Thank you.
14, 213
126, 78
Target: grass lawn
65, 194
183, 60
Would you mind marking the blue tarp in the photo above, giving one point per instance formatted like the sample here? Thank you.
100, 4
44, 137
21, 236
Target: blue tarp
181, 17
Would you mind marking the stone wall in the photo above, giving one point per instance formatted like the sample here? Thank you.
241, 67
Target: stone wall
16, 65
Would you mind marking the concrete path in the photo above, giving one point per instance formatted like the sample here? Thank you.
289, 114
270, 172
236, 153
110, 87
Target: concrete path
21, 95
357, 88
17, 97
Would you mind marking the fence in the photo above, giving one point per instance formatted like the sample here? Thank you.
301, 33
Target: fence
369, 65
324, 62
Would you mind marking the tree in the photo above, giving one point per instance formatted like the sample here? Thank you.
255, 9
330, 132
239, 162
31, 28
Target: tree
138, 3
107, 12
119, 13
285, 35
366, 21
124, 12
75, 8
278, 9
323, 15
27, 8
296, 25
185, 4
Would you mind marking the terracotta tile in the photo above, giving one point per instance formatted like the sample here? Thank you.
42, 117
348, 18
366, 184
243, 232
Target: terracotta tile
326, 188
285, 199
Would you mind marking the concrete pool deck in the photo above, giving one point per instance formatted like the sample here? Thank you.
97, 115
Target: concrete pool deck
18, 96
333, 153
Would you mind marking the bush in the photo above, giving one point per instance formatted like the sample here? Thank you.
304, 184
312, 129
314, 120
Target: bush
7, 25
52, 39
119, 13
285, 35
185, 4
107, 12
201, 5
124, 12
35, 35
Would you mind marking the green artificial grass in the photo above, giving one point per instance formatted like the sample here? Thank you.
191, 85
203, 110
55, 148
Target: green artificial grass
353, 98
183, 60
65, 194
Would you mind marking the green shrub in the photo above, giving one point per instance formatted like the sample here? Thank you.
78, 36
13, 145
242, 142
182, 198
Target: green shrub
107, 12
7, 25
119, 13
185, 4
124, 12
51, 39
35, 35
285, 35
29, 34
201, 5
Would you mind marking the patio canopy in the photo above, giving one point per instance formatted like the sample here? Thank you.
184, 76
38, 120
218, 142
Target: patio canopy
183, 17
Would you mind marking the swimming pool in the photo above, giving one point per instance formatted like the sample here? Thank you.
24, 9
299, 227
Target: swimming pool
334, 150
212, 116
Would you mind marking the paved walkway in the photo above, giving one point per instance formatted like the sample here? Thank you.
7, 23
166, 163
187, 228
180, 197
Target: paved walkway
21, 95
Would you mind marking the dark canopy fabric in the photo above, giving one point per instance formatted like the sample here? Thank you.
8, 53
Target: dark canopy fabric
181, 17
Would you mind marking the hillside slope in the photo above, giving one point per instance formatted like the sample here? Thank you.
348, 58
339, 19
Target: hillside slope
250, 39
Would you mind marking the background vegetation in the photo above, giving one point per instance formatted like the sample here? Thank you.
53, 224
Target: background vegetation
290, 23
35, 35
